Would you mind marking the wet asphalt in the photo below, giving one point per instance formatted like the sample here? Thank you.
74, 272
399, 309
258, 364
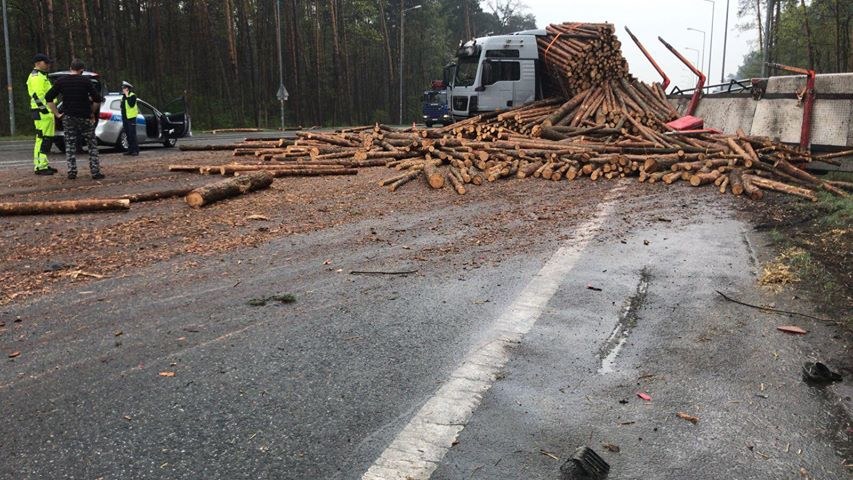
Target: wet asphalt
318, 388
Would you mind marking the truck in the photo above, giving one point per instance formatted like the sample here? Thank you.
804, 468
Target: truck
495, 73
435, 107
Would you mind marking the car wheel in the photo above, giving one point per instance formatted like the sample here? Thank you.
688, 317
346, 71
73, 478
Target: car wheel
170, 142
122, 144
60, 143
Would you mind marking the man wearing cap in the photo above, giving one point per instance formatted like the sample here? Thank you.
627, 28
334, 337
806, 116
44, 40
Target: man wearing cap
80, 105
129, 111
37, 86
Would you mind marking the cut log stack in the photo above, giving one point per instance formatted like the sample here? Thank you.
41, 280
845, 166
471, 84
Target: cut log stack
579, 56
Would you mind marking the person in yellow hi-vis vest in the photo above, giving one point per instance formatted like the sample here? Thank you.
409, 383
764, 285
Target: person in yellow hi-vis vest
129, 111
37, 86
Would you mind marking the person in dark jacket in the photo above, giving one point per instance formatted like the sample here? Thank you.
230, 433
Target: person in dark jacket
129, 111
80, 104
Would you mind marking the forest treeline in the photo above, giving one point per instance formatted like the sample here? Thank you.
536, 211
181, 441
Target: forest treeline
815, 34
340, 56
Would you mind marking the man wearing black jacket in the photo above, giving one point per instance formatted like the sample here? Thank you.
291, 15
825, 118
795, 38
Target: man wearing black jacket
80, 105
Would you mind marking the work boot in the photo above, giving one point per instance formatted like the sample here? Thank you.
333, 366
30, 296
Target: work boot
52, 169
46, 171
98, 176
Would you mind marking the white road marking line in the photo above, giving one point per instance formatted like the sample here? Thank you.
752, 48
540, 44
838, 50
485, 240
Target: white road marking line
417, 450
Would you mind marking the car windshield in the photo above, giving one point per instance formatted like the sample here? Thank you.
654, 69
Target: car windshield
466, 71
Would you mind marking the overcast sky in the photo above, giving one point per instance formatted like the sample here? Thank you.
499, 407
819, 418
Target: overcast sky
649, 19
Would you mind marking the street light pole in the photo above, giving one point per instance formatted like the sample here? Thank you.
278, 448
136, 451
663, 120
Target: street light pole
402, 46
8, 73
711, 44
702, 62
725, 39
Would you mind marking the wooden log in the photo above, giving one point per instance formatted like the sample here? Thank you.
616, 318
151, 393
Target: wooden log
457, 185
403, 180
64, 206
434, 176
231, 187
157, 195
750, 189
704, 178
736, 181
233, 169
184, 168
793, 171
768, 184
202, 148
314, 173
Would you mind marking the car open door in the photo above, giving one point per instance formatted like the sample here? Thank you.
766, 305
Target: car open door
176, 121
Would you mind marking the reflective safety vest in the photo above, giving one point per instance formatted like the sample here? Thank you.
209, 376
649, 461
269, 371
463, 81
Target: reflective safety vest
133, 111
37, 86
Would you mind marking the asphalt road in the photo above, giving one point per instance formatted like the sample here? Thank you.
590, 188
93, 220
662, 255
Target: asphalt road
523, 348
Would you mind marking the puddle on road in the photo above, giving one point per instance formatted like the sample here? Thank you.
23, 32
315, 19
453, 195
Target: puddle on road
627, 321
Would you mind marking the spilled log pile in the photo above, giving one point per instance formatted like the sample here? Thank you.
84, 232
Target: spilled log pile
604, 125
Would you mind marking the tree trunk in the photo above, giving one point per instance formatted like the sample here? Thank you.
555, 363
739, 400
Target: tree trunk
87, 32
157, 195
63, 206
231, 187
389, 61
51, 32
70, 29
318, 54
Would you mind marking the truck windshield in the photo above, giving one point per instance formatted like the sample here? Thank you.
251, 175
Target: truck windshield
435, 97
466, 71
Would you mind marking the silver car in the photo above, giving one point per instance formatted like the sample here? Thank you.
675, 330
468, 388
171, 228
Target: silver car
152, 125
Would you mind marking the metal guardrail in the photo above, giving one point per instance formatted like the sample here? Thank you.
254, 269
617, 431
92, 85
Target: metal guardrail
732, 86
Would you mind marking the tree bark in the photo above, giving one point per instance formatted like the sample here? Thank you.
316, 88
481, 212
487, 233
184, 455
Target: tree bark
63, 206
231, 187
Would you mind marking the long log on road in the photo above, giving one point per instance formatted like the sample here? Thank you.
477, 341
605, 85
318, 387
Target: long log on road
231, 187
314, 173
157, 195
63, 206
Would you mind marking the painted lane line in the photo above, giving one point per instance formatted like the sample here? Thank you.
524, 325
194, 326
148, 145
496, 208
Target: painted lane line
417, 450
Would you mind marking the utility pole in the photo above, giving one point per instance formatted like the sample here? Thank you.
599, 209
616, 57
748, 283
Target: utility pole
711, 43
281, 96
768, 30
402, 45
8, 73
725, 39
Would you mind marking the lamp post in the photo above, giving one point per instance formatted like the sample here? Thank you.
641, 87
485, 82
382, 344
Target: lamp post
402, 44
725, 39
702, 62
711, 40
8, 73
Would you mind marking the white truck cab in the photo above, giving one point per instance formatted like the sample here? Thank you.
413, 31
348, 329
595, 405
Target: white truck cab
495, 73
